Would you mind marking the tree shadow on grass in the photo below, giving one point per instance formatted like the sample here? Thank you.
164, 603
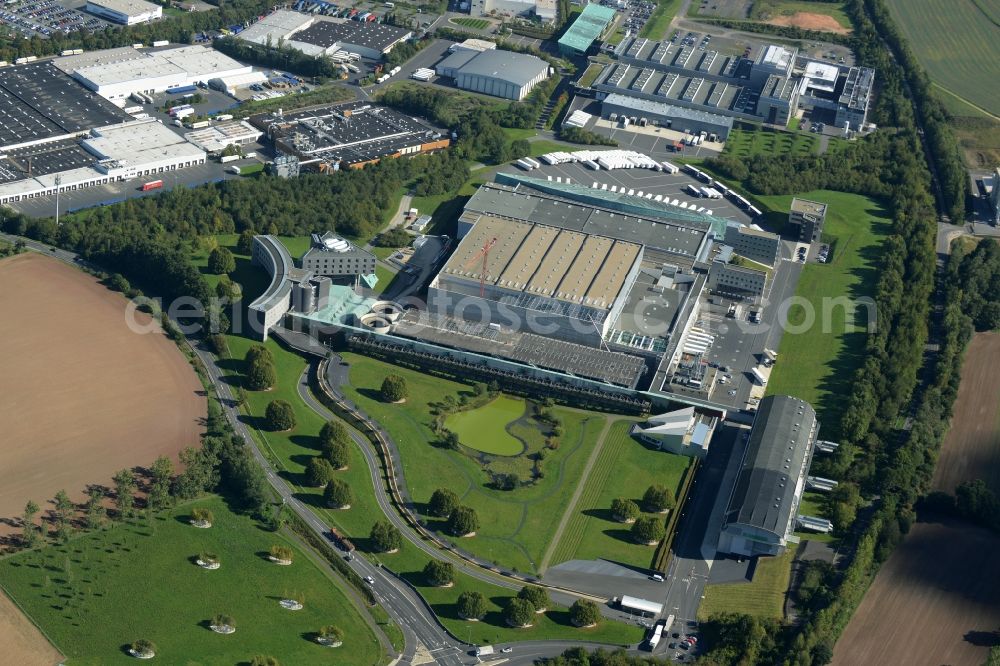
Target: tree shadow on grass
602, 514
306, 441
371, 394
623, 535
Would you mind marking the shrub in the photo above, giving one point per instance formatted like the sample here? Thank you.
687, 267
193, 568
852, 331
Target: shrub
463, 520
519, 612
648, 529
337, 494
223, 620
385, 537
442, 503
144, 646
279, 416
332, 634
199, 514
657, 498
394, 388
538, 596
472, 605
280, 552
624, 510
439, 573
584, 613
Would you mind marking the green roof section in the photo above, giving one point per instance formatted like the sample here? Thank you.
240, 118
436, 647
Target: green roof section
588, 27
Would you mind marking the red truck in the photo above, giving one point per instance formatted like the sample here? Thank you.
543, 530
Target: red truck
152, 185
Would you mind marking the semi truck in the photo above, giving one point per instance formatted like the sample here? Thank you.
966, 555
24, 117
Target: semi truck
484, 650
758, 377
228, 158
152, 185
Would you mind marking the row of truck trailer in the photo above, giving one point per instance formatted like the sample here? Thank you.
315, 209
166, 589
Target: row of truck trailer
720, 190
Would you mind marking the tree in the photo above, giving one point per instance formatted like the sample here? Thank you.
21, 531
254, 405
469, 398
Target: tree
395, 237
264, 660
624, 510
95, 508
538, 596
472, 605
124, 487
822, 654
657, 499
394, 389
333, 431
844, 502
442, 503
648, 529
462, 521
519, 612
202, 515
279, 416
319, 472
259, 369
439, 573
337, 494
244, 245
162, 472
282, 553
584, 613
332, 635
117, 282
385, 537
220, 260
144, 647
228, 290
30, 534
338, 454
221, 620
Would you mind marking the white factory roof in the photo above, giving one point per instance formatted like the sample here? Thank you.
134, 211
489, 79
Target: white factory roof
307, 48
36, 183
120, 66
139, 142
128, 70
217, 137
278, 24
70, 64
676, 423
473, 44
242, 79
776, 56
126, 7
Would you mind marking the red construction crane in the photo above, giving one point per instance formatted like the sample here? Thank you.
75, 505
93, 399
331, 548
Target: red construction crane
483, 254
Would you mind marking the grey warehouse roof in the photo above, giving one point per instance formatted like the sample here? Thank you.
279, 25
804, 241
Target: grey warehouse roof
658, 108
517, 68
773, 464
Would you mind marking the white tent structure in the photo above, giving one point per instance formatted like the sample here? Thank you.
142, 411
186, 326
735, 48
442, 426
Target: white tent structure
683, 431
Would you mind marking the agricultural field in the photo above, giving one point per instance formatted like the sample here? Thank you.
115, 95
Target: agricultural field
956, 41
521, 521
624, 468
86, 396
486, 428
817, 364
764, 597
970, 450
979, 140
21, 642
93, 595
932, 602
747, 143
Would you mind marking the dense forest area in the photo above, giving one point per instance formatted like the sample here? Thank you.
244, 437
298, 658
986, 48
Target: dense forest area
892, 466
149, 239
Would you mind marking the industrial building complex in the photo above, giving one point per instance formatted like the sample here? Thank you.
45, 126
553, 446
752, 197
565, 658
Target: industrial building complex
352, 134
125, 12
678, 85
590, 26
494, 72
323, 35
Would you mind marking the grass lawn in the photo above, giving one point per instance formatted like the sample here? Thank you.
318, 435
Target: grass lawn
520, 522
764, 597
814, 504
590, 75
656, 26
625, 468
104, 590
747, 143
474, 23
817, 364
544, 146
485, 428
515, 133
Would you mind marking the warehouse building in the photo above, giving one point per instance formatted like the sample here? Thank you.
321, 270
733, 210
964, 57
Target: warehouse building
352, 135
760, 517
220, 136
807, 218
117, 73
753, 243
543, 9
677, 118
125, 12
683, 431
495, 72
737, 282
331, 255
590, 26
323, 35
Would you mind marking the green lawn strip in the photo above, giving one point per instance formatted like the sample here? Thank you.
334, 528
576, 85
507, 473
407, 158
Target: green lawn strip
628, 467
409, 562
485, 428
590, 75
817, 364
764, 597
474, 23
383, 253
105, 589
516, 134
659, 21
747, 143
516, 525
385, 278
543, 146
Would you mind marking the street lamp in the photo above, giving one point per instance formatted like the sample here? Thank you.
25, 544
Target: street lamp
58, 187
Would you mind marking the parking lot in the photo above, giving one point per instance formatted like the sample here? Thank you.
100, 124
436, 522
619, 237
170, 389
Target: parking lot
47, 17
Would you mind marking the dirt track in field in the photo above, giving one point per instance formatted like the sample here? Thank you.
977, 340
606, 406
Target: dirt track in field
810, 21
971, 449
81, 395
936, 601
20, 641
